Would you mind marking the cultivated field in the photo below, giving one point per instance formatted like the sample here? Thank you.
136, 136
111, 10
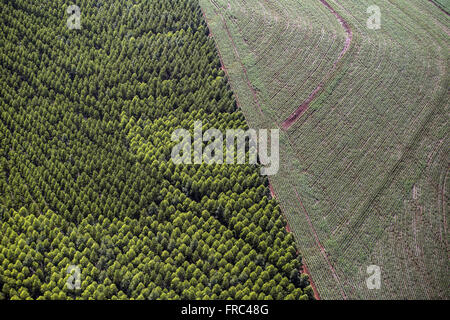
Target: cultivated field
363, 115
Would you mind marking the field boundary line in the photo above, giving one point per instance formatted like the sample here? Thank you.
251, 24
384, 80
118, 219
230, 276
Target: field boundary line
320, 246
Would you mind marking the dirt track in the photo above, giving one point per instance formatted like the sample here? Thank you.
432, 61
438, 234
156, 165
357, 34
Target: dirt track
304, 106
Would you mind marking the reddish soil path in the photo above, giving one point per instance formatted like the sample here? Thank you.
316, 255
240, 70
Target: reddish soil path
304, 106
272, 192
304, 268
